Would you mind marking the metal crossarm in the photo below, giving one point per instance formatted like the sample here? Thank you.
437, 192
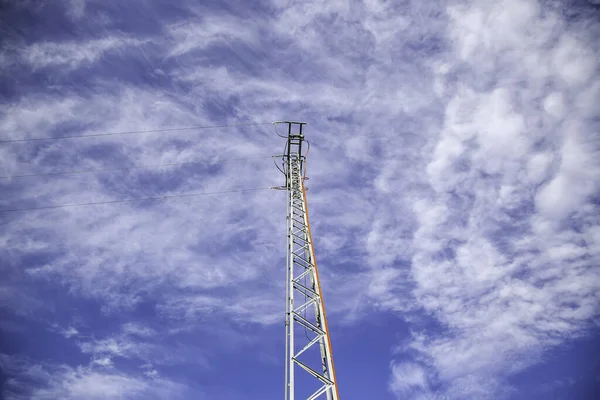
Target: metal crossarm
307, 336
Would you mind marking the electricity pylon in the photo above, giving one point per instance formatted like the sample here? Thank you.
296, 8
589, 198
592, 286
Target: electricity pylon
308, 346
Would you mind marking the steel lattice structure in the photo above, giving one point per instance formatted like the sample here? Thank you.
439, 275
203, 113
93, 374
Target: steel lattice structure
308, 346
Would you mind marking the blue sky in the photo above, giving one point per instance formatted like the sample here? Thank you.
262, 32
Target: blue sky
454, 173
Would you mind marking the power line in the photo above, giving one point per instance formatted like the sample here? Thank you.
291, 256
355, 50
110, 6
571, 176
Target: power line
129, 168
133, 132
132, 200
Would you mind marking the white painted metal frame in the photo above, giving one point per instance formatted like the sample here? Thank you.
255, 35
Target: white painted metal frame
303, 287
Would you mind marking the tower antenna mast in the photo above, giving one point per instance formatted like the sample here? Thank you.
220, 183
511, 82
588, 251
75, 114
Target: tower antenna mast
308, 345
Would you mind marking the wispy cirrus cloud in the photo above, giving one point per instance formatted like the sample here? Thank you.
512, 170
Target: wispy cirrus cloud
453, 184
62, 381
69, 55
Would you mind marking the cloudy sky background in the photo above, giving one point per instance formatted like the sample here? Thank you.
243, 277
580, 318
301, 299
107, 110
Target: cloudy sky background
454, 175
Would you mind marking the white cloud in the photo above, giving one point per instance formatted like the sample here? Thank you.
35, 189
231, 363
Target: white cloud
64, 382
69, 332
103, 362
180, 254
74, 55
408, 377
554, 104
93, 385
501, 303
211, 30
573, 61
138, 330
76, 9
448, 163
143, 344
538, 167
575, 180
242, 307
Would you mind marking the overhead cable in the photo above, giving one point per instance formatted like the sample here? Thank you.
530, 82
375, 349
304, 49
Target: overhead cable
132, 132
132, 200
86, 171
275, 126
